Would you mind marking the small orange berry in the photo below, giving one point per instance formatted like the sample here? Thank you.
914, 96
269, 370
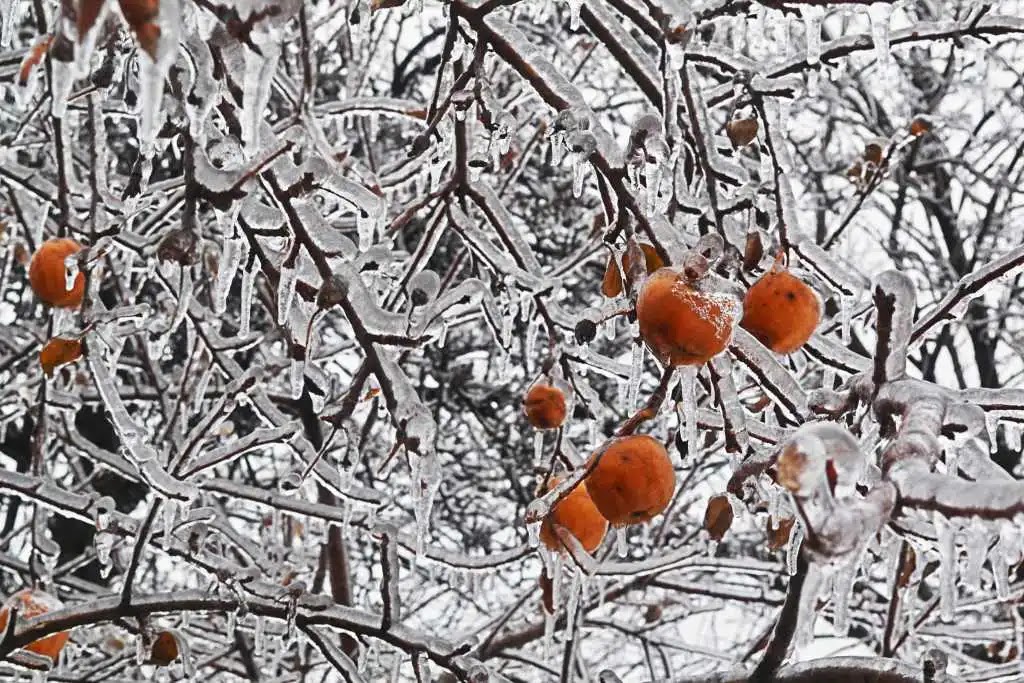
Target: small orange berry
781, 310
683, 325
577, 513
32, 603
633, 480
47, 272
544, 406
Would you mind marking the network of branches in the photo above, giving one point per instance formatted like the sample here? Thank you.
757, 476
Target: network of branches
511, 340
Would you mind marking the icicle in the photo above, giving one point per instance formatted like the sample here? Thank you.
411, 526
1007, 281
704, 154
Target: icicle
574, 14
538, 448
992, 428
812, 15
579, 174
796, 537
170, 514
977, 550
297, 373
842, 586
621, 544
184, 298
533, 533
245, 314
635, 374
572, 602
8, 17
807, 611
285, 292
427, 483
259, 636
688, 407
230, 259
549, 636
946, 537
880, 13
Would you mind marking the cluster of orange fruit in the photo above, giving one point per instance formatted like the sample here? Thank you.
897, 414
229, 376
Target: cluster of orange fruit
47, 275
631, 479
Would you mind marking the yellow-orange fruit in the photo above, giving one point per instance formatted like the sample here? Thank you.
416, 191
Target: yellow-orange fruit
682, 325
544, 406
611, 285
32, 603
781, 310
46, 274
578, 514
633, 480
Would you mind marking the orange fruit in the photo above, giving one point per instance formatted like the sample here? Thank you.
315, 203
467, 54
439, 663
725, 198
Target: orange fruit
781, 310
611, 285
683, 325
46, 274
32, 603
544, 406
577, 513
633, 480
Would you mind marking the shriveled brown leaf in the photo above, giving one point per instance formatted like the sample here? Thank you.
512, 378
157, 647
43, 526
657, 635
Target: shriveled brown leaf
165, 649
909, 565
59, 351
873, 153
653, 613
718, 517
778, 537
741, 132
753, 252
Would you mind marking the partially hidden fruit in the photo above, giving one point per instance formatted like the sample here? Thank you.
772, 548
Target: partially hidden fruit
781, 310
32, 603
578, 514
47, 274
718, 517
611, 285
57, 352
633, 480
544, 406
683, 325
164, 650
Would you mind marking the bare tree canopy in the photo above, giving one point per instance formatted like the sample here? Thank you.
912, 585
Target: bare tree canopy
511, 340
